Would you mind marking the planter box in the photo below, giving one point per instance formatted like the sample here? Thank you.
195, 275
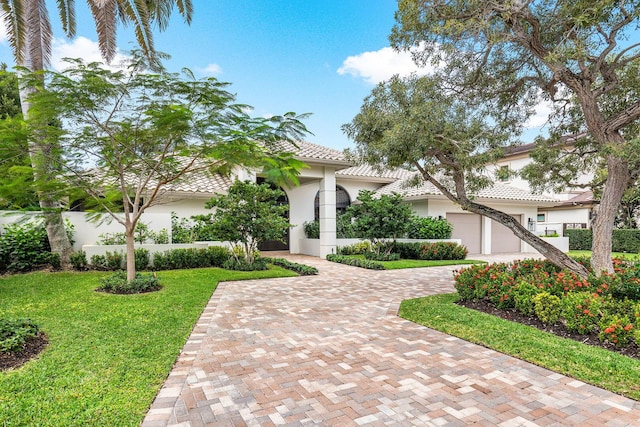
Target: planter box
312, 246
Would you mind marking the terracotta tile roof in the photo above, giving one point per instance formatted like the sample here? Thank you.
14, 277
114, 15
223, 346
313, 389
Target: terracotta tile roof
367, 171
313, 152
585, 198
203, 182
497, 192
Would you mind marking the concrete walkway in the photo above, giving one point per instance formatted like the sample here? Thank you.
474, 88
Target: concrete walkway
330, 350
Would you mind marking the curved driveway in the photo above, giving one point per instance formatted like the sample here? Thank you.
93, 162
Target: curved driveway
330, 350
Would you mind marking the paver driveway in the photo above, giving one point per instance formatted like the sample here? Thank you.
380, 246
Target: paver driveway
330, 350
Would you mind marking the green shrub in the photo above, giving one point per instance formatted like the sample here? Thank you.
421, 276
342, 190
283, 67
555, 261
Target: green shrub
141, 258
216, 256
240, 264
429, 228
14, 334
182, 258
182, 230
356, 262
301, 269
581, 311
355, 249
78, 260
626, 241
523, 294
110, 261
410, 250
24, 247
312, 229
381, 256
55, 261
547, 307
442, 251
617, 330
116, 238
579, 239
117, 283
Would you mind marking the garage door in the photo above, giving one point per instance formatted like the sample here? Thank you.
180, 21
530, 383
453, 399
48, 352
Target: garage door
468, 228
502, 239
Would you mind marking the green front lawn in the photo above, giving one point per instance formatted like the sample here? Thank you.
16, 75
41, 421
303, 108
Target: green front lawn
108, 355
594, 365
417, 263
623, 255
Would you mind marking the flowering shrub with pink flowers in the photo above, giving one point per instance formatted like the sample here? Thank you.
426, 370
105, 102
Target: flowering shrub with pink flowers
606, 304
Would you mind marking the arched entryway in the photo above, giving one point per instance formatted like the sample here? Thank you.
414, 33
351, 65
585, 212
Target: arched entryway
276, 245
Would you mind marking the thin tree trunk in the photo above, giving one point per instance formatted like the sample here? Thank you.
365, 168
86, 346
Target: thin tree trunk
617, 181
131, 252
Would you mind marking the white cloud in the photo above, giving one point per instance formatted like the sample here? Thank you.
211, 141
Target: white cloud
375, 67
80, 47
541, 116
211, 70
3, 32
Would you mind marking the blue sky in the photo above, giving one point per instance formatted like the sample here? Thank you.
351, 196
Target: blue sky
307, 56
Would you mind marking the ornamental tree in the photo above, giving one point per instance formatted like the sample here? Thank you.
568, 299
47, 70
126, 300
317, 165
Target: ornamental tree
414, 124
132, 134
248, 215
580, 56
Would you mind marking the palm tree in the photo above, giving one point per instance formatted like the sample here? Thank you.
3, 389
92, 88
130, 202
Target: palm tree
29, 34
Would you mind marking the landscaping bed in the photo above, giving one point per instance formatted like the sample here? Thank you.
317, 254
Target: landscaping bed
558, 329
601, 310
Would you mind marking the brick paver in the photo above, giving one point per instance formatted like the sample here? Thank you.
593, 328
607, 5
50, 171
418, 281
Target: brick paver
330, 350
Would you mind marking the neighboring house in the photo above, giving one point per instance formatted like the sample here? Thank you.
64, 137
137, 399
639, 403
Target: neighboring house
574, 206
331, 183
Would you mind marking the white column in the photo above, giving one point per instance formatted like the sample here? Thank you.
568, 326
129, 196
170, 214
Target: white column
328, 240
486, 235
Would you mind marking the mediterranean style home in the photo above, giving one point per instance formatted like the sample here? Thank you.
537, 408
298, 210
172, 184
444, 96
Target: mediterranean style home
331, 183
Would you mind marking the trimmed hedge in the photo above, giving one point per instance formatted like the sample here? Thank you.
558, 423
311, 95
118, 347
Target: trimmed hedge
355, 262
177, 259
301, 269
430, 251
623, 240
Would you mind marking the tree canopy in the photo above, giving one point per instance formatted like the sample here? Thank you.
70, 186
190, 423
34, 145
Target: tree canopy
449, 140
579, 56
248, 215
135, 133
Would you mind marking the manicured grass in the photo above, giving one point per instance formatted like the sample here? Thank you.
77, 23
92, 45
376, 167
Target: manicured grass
417, 263
624, 255
108, 355
594, 365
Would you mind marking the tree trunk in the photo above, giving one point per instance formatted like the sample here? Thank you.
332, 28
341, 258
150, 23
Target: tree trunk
617, 181
131, 253
43, 171
553, 254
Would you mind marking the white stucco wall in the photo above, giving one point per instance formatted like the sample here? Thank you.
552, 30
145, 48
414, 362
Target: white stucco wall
567, 215
88, 233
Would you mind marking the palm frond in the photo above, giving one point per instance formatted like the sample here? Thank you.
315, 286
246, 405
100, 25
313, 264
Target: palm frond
67, 13
12, 14
104, 14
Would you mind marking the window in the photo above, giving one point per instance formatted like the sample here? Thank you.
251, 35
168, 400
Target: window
541, 217
343, 201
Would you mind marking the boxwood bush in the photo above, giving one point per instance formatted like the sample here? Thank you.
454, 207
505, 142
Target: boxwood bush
356, 262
